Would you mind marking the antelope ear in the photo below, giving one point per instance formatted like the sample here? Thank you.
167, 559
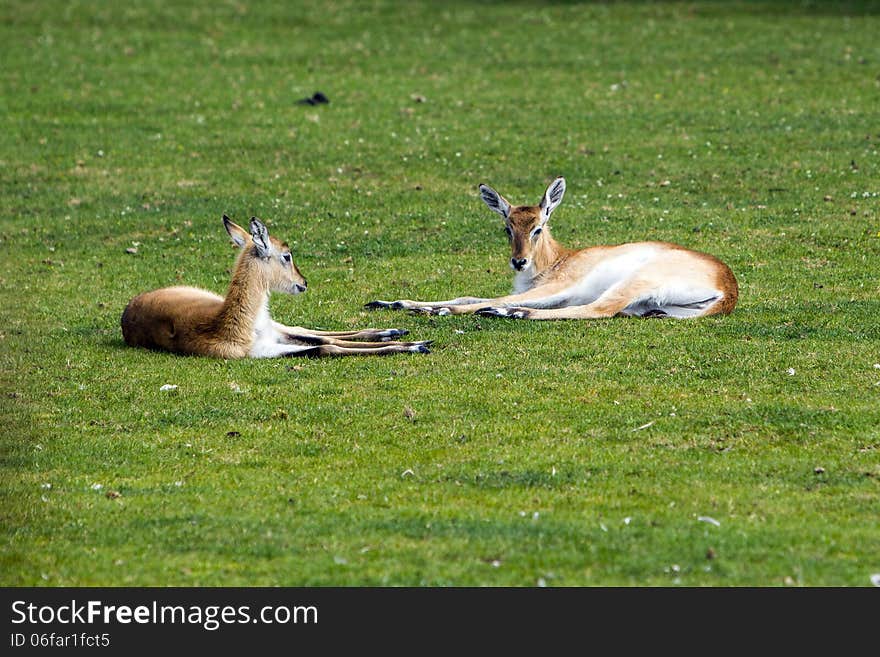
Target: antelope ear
495, 201
237, 233
260, 235
552, 197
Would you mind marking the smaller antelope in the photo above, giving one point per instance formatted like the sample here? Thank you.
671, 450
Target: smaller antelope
188, 320
643, 279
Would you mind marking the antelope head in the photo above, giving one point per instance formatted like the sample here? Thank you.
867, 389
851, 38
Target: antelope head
525, 224
271, 257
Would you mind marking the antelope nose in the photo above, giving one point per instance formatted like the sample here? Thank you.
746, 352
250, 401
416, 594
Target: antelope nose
301, 287
518, 263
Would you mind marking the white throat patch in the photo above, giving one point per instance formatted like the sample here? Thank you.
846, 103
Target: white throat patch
266, 337
523, 281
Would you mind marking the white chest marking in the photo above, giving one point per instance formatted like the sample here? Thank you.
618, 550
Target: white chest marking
265, 343
522, 280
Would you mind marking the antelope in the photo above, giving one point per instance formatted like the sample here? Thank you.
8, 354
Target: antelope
641, 279
192, 321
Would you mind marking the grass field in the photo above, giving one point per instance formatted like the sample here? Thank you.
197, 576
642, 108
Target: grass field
514, 453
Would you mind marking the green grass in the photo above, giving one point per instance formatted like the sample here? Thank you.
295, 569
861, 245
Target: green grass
144, 123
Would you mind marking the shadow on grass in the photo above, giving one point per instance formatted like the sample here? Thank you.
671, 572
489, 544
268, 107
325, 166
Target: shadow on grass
116, 344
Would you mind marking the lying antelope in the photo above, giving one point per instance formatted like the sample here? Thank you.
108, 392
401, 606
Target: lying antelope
188, 320
643, 279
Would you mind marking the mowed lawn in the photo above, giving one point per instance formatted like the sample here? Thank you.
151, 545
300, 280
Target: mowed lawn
738, 450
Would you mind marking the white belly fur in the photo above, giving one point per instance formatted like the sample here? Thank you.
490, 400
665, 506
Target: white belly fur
609, 273
679, 301
687, 295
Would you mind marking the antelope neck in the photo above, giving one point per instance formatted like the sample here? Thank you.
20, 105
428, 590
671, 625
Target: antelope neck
547, 253
248, 294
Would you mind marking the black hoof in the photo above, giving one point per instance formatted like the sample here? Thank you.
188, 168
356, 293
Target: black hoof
375, 305
511, 313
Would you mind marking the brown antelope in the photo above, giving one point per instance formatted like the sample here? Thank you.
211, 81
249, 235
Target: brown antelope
188, 320
643, 279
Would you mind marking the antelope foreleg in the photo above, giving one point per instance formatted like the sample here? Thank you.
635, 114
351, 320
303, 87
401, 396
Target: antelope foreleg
544, 296
361, 334
407, 304
335, 350
609, 304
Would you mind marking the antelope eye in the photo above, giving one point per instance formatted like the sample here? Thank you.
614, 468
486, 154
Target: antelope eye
287, 258
536, 232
